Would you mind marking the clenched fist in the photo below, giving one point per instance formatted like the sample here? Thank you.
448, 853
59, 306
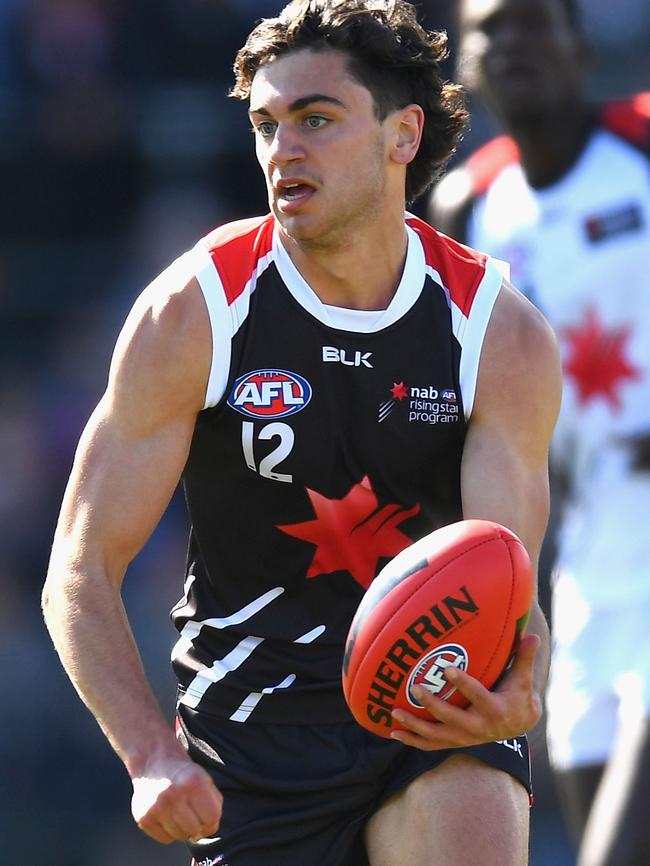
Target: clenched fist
175, 800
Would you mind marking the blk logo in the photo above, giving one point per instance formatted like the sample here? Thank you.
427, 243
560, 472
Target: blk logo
353, 358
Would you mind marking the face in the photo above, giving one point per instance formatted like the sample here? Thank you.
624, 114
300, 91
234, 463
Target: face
522, 56
323, 151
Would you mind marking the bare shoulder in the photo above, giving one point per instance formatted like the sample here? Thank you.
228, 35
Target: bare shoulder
162, 355
520, 328
520, 373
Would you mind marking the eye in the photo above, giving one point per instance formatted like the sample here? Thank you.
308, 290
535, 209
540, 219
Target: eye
315, 121
266, 128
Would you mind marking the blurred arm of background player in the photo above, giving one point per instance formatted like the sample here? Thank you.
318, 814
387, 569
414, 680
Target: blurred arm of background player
128, 464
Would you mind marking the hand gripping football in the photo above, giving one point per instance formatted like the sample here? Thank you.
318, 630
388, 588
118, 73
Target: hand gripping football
460, 596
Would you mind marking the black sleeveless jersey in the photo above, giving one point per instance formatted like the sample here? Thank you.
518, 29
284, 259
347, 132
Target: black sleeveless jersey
331, 439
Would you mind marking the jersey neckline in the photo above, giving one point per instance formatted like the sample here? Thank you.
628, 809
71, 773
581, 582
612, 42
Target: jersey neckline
361, 321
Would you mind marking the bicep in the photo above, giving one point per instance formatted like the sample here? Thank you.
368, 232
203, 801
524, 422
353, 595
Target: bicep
118, 489
133, 450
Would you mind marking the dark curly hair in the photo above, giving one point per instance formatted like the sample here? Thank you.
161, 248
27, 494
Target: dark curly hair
389, 53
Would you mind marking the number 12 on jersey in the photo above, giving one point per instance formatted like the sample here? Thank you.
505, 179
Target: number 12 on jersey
268, 464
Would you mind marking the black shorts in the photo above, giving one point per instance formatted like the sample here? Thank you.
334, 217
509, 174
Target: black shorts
301, 796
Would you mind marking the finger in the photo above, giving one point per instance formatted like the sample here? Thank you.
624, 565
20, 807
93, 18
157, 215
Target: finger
164, 820
207, 802
414, 723
187, 821
160, 835
527, 650
469, 719
430, 739
409, 739
428, 734
470, 688
174, 829
149, 819
156, 830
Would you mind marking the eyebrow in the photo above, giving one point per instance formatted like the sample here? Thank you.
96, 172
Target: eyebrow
302, 102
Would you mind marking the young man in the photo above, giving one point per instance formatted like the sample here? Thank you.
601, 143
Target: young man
271, 367
565, 197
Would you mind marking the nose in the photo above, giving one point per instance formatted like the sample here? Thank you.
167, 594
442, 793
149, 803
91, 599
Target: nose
286, 146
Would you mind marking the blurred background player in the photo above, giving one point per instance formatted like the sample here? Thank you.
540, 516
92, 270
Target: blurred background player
565, 198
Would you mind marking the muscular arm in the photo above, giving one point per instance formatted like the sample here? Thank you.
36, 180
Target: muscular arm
505, 478
127, 465
505, 464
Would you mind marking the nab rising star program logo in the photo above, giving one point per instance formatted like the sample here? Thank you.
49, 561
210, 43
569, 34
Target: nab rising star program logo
210, 861
426, 404
270, 394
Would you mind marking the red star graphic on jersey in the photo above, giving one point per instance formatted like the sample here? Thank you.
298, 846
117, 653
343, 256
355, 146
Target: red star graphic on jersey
352, 534
399, 391
597, 361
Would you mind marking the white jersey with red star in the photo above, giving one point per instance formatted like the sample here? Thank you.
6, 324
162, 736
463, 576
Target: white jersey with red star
580, 250
330, 440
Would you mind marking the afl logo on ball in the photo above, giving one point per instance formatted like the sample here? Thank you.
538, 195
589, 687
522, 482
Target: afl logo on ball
430, 671
270, 394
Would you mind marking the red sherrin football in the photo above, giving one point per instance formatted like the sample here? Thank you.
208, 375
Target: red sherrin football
460, 596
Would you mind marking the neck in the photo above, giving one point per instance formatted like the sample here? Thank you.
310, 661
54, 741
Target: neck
552, 145
360, 273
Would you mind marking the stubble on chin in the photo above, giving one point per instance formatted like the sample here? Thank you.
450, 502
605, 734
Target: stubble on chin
336, 231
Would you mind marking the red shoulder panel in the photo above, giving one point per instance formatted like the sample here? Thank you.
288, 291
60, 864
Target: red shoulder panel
485, 163
460, 267
629, 118
236, 248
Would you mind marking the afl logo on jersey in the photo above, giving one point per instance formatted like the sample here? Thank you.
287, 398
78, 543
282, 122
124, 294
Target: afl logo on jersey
270, 394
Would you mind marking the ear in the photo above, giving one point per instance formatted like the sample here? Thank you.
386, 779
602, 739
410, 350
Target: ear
408, 123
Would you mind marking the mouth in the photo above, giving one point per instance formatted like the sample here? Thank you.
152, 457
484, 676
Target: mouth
291, 195
516, 74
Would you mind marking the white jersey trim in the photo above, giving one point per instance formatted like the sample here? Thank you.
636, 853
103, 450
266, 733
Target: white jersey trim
470, 330
359, 321
225, 319
219, 315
